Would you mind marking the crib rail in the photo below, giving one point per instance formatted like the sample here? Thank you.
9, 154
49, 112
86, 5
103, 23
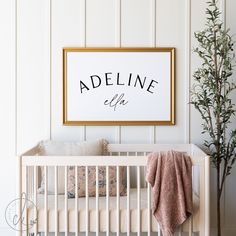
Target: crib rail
132, 158
90, 161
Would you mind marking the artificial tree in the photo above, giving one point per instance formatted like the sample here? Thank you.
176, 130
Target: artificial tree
211, 96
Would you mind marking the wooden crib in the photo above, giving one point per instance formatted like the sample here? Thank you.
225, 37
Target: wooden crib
54, 213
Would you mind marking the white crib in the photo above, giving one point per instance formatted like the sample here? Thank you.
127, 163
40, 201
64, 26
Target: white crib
54, 213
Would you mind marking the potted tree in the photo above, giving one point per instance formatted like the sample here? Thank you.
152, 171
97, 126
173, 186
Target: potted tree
210, 95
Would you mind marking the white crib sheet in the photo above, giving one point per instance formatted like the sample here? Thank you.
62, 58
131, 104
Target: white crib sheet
102, 214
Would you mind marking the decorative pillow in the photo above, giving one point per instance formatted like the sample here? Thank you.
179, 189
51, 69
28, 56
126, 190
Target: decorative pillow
92, 181
55, 148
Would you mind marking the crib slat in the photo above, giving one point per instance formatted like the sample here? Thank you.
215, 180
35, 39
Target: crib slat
180, 230
149, 208
138, 200
158, 230
35, 199
145, 170
46, 200
128, 201
191, 218
190, 226
107, 202
20, 183
66, 203
76, 202
118, 200
26, 196
97, 203
56, 199
86, 200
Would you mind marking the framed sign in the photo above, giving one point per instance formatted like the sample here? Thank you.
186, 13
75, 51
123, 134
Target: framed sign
119, 86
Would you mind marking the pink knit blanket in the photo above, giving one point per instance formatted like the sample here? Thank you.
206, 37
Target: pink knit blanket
170, 175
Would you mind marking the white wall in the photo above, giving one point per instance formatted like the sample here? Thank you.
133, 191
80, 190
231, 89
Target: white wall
137, 23
24, 90
7, 108
105, 23
31, 98
33, 81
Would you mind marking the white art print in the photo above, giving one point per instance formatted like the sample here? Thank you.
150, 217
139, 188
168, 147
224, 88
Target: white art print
118, 86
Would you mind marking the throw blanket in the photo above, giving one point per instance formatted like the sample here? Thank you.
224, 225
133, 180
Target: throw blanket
170, 175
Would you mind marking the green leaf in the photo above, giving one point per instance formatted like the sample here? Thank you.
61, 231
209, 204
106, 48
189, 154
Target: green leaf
212, 88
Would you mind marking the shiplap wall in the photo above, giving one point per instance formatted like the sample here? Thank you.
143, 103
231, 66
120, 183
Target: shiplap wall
137, 23
7, 109
229, 198
133, 23
32, 65
35, 33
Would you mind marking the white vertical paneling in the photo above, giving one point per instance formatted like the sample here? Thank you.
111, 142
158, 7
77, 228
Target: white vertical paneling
197, 23
187, 63
47, 63
169, 23
222, 6
118, 26
83, 7
136, 29
118, 43
53, 25
153, 44
153, 23
100, 23
67, 31
96, 132
82, 4
37, 36
230, 206
135, 134
8, 107
100, 32
170, 32
31, 119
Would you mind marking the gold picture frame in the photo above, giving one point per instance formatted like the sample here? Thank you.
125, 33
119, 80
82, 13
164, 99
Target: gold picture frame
80, 56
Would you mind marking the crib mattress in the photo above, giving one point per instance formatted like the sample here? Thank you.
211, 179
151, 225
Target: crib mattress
102, 214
